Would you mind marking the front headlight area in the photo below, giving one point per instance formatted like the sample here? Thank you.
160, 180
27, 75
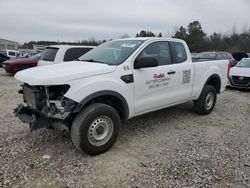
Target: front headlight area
49, 100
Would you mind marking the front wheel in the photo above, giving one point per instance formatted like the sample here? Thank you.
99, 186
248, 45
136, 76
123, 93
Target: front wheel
95, 128
205, 104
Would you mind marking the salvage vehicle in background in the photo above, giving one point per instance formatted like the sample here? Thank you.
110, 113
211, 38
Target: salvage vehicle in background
116, 81
62, 53
205, 56
14, 65
239, 76
27, 55
11, 53
3, 58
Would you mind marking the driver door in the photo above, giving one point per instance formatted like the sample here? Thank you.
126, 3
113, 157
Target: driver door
154, 87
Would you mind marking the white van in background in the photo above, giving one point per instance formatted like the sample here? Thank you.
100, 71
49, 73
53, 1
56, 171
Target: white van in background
62, 53
11, 53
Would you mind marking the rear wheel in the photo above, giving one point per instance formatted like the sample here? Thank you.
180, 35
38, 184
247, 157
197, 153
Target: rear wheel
205, 104
95, 128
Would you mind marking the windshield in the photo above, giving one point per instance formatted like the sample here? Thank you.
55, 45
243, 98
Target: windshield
207, 55
244, 63
112, 52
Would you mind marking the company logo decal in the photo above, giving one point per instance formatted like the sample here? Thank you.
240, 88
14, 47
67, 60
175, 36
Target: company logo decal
159, 76
241, 78
159, 80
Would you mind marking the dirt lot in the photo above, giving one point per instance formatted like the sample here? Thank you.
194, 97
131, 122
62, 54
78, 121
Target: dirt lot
173, 147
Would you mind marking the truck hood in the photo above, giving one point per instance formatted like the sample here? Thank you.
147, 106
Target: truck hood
61, 73
240, 71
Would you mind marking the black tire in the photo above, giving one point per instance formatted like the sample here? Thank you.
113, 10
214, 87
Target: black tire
83, 133
23, 67
201, 105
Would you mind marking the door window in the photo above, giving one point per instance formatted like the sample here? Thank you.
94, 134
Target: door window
159, 51
12, 54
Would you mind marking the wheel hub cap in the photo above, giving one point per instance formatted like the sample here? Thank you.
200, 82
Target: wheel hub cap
209, 100
100, 131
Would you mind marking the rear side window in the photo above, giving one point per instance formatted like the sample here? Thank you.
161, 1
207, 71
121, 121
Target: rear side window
49, 54
73, 53
178, 50
12, 53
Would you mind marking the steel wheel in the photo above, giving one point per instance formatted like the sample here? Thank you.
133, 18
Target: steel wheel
100, 131
209, 100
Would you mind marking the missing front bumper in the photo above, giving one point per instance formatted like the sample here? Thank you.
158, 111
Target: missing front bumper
28, 115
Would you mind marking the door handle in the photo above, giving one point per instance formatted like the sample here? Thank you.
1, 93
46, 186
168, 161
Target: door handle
171, 72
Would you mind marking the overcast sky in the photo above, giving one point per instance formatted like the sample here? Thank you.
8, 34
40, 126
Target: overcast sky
74, 20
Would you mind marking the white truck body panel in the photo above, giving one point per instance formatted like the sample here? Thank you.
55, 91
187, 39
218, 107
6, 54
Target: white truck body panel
203, 70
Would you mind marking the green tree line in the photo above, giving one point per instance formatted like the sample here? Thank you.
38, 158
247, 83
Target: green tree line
199, 41
193, 34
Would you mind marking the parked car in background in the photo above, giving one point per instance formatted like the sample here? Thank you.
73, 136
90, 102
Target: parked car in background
62, 53
239, 75
14, 65
3, 58
27, 55
11, 53
194, 55
204, 56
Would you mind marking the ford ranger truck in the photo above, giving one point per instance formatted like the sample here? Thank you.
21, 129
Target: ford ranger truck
114, 82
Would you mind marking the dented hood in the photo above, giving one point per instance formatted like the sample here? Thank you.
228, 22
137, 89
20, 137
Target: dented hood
63, 72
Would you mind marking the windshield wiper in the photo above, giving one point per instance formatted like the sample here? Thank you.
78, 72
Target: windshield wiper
92, 60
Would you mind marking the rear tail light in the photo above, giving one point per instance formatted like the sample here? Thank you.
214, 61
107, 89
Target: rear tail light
228, 70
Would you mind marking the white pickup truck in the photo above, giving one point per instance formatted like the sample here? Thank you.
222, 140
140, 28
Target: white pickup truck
116, 81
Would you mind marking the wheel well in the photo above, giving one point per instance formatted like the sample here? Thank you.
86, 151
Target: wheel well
214, 81
113, 101
23, 66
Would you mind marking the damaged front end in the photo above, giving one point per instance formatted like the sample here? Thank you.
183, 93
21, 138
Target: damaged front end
46, 107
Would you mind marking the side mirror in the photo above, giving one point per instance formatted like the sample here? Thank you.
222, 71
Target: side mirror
144, 62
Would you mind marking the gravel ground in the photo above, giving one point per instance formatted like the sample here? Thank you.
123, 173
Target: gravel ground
173, 147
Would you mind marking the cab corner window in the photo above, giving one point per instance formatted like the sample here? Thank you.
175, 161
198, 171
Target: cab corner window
158, 50
178, 52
